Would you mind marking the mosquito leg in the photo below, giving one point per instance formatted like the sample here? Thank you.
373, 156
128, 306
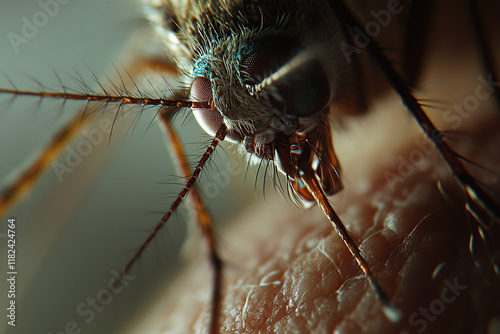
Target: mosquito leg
309, 178
206, 227
201, 214
474, 191
404, 234
28, 177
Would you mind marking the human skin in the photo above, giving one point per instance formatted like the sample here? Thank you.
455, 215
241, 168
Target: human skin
287, 271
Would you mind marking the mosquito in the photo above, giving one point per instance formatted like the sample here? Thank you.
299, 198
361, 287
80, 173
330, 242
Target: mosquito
275, 68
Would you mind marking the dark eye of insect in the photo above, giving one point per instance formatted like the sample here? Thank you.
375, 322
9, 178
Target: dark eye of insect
266, 59
303, 91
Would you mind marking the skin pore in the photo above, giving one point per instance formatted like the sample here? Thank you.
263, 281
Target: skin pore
287, 271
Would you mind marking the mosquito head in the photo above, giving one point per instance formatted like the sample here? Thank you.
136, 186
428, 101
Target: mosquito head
292, 87
271, 83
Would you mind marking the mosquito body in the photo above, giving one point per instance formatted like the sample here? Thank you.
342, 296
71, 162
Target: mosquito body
272, 77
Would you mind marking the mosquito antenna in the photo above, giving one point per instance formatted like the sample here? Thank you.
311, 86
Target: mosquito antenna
110, 98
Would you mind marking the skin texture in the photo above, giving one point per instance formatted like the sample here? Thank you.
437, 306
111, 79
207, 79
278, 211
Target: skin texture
287, 271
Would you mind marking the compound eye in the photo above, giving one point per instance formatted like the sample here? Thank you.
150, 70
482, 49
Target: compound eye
201, 90
265, 60
210, 119
304, 92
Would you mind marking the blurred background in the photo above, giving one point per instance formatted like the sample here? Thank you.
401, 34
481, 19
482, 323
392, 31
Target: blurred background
72, 235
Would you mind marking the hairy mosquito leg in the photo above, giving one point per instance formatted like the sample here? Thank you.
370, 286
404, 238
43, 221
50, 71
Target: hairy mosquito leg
27, 178
201, 214
312, 184
474, 191
220, 135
